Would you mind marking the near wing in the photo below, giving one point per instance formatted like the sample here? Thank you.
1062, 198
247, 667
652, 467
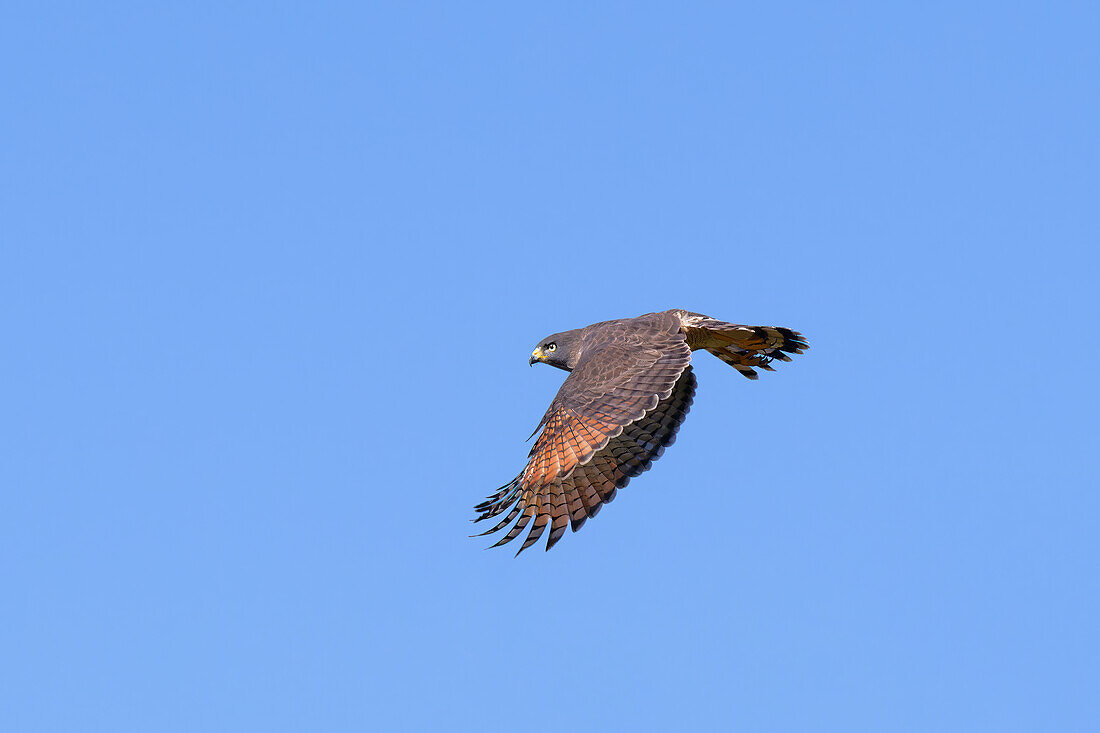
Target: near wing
612, 418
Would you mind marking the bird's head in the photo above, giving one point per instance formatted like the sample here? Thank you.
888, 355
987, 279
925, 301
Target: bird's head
558, 350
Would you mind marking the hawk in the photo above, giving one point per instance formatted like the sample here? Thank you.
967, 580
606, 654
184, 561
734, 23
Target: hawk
629, 388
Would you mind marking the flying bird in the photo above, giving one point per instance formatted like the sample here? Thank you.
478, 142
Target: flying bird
630, 387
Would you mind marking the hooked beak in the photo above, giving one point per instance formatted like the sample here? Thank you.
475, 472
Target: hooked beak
536, 355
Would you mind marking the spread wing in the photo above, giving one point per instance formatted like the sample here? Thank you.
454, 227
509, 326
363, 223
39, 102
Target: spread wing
614, 415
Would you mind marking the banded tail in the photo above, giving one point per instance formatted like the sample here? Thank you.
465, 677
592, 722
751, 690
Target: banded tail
745, 348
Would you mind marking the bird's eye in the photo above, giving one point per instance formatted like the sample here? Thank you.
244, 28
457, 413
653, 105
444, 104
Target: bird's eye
551, 347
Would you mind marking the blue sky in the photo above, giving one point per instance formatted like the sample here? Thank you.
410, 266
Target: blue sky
270, 275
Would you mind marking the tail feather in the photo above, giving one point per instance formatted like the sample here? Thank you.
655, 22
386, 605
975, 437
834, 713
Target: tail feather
768, 339
743, 361
745, 348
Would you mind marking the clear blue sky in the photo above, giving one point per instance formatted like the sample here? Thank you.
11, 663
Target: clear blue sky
271, 274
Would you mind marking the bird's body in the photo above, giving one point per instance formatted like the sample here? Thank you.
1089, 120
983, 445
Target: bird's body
629, 389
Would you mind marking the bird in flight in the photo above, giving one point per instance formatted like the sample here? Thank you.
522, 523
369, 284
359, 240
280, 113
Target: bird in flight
629, 388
